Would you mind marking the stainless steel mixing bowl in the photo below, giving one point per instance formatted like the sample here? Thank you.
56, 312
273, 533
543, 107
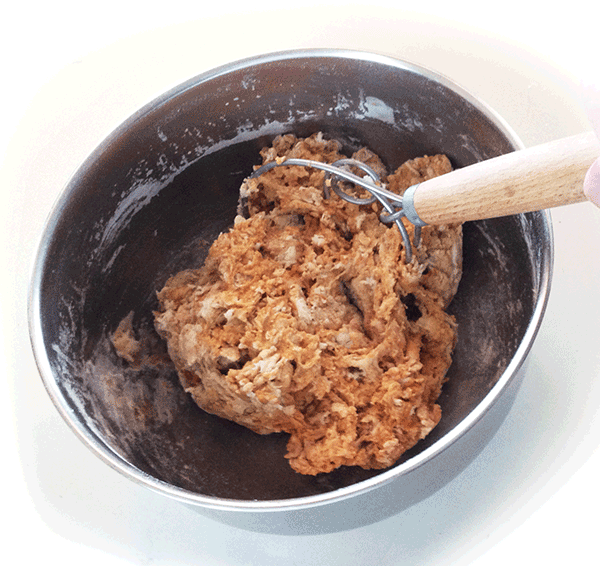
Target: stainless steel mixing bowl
155, 193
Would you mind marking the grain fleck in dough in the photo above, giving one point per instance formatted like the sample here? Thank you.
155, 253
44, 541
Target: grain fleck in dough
306, 319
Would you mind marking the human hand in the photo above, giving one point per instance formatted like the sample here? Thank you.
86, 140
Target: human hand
591, 99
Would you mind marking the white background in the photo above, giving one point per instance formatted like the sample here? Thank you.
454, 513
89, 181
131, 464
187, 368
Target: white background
72, 72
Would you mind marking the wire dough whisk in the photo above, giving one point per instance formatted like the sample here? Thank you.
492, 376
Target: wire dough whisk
396, 206
536, 178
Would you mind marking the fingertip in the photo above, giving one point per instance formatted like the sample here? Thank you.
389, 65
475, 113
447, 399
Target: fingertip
591, 184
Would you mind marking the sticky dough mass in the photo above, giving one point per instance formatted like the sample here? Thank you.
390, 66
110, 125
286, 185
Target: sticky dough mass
306, 319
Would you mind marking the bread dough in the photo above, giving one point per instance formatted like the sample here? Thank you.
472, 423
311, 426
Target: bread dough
144, 350
306, 319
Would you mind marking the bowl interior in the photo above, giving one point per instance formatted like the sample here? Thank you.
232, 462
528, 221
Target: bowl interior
153, 197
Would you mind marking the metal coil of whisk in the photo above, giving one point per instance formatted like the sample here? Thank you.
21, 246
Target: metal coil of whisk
394, 205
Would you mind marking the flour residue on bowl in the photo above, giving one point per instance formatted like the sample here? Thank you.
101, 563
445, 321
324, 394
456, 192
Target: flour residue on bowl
140, 193
120, 402
497, 343
371, 107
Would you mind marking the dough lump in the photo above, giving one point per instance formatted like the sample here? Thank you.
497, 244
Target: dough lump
306, 319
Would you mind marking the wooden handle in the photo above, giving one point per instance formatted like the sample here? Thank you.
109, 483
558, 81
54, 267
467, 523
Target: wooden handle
544, 176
